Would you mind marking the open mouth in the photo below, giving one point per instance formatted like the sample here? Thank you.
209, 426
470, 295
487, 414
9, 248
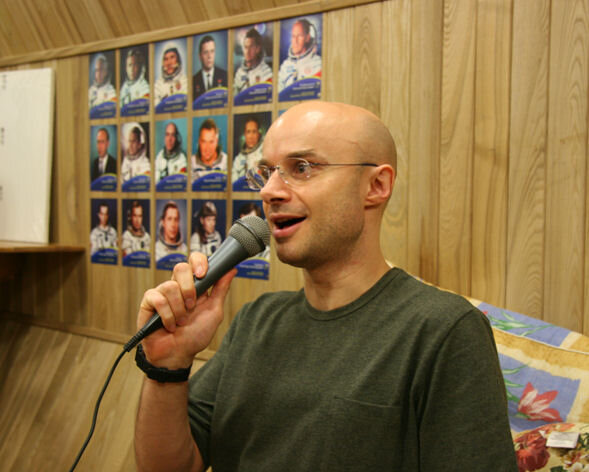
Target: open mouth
281, 224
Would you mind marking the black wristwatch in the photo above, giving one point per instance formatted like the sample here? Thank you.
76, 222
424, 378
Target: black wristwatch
161, 374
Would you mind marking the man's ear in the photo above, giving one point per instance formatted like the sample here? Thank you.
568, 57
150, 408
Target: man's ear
380, 185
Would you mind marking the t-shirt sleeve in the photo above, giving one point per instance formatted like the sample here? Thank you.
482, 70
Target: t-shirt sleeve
202, 391
464, 423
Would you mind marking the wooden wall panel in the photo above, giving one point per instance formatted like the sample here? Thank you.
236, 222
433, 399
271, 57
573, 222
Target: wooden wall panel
491, 129
395, 72
524, 283
491, 166
425, 139
457, 130
566, 164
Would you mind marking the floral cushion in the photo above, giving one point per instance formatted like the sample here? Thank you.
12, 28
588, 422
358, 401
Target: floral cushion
533, 454
545, 384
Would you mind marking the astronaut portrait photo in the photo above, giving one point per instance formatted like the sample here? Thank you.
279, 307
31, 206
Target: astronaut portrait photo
170, 247
171, 83
103, 161
171, 163
299, 74
134, 77
102, 96
209, 64
252, 63
135, 163
136, 241
248, 137
209, 159
208, 225
103, 236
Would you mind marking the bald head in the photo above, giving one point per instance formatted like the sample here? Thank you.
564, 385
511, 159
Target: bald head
353, 132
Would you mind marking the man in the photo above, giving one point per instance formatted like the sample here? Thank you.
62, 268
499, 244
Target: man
103, 236
101, 89
135, 162
209, 155
206, 239
135, 86
170, 237
135, 238
365, 369
209, 76
171, 160
104, 163
251, 151
253, 70
172, 80
303, 60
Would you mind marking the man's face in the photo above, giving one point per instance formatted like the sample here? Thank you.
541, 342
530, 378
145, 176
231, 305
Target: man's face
298, 39
251, 52
103, 215
171, 223
137, 218
207, 143
207, 55
170, 62
133, 144
101, 143
170, 137
132, 68
100, 72
251, 134
315, 221
208, 223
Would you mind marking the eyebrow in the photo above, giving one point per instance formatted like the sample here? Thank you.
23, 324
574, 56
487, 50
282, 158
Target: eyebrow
300, 154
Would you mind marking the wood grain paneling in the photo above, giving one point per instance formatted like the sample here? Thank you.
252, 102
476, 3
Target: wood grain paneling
524, 282
395, 50
491, 166
456, 154
491, 129
566, 164
424, 145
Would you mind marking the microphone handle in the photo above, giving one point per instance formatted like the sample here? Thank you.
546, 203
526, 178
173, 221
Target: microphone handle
229, 254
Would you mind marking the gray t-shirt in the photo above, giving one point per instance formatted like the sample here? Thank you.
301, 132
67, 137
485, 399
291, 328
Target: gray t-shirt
405, 378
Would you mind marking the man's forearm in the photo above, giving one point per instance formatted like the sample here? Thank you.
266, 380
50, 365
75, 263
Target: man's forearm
162, 434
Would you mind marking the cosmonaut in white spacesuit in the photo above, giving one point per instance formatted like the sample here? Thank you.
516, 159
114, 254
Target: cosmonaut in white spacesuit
254, 69
135, 85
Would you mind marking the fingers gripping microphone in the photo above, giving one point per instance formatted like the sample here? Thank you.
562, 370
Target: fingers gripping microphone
247, 237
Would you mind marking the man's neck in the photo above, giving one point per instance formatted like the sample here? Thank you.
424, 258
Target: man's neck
339, 283
209, 161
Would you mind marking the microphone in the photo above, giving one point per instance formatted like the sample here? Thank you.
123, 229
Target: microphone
247, 237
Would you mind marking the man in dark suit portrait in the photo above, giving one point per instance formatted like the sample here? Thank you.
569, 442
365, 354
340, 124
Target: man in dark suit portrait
104, 163
209, 76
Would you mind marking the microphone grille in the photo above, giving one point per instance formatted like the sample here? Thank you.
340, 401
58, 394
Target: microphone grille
252, 233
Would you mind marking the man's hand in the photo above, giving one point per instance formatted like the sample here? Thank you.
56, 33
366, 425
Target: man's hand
190, 322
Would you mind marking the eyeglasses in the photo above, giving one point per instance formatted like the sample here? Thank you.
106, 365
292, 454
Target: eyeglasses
293, 170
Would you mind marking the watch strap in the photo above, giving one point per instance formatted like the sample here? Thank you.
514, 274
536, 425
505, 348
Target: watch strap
161, 374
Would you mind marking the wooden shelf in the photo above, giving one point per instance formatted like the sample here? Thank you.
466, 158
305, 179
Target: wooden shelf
15, 247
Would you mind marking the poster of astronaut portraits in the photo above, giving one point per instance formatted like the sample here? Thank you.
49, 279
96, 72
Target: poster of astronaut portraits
208, 225
252, 64
134, 80
136, 241
209, 70
103, 236
171, 230
171, 164
135, 161
299, 74
249, 130
102, 96
258, 266
171, 82
103, 158
208, 162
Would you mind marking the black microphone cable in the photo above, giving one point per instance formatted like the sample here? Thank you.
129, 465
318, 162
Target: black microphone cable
96, 407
